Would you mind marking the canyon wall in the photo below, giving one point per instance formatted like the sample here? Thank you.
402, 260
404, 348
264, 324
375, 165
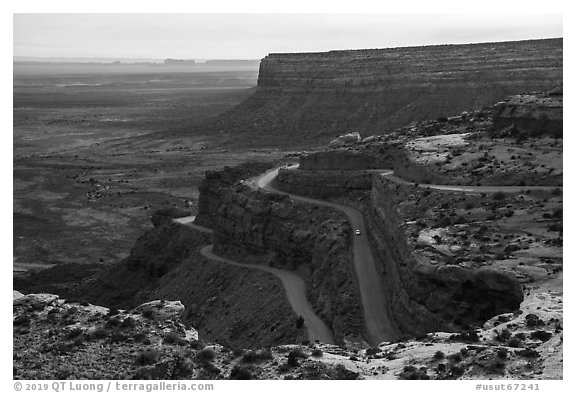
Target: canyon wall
425, 295
322, 184
341, 159
305, 98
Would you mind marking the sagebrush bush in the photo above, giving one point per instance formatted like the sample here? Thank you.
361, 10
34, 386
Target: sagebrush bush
412, 373
498, 196
240, 373
439, 355
174, 338
265, 354
128, 323
148, 357
250, 357
205, 355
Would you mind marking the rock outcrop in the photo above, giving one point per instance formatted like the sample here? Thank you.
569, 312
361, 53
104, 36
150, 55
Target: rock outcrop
536, 114
216, 184
341, 159
345, 139
322, 184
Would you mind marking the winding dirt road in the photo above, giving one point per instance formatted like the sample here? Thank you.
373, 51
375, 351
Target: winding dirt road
378, 323
485, 189
295, 289
377, 320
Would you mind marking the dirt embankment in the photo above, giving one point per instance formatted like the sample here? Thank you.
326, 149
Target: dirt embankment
226, 304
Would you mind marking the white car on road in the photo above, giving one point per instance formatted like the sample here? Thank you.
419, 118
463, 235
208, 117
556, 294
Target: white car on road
357, 231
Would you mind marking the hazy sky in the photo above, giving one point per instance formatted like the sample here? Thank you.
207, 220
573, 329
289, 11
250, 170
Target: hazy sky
253, 36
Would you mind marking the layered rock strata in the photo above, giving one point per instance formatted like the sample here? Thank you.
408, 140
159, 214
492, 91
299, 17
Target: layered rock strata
536, 114
304, 98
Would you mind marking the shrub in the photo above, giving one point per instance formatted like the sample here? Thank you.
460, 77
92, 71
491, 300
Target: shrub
496, 366
470, 336
197, 344
299, 322
265, 354
293, 357
113, 311
557, 213
528, 353
520, 336
502, 353
456, 357
499, 196
372, 351
342, 373
148, 357
149, 313
541, 335
411, 373
456, 370
118, 337
98, 334
239, 372
140, 337
22, 320
250, 357
175, 338
128, 323
297, 353
205, 355
439, 355
318, 352
73, 333
113, 322
514, 342
533, 320
503, 335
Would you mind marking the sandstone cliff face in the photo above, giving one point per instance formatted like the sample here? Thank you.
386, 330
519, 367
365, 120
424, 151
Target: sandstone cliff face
341, 159
216, 184
377, 69
335, 172
322, 184
305, 98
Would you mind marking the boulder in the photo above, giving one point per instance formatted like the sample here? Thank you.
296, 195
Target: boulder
35, 301
346, 139
161, 309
